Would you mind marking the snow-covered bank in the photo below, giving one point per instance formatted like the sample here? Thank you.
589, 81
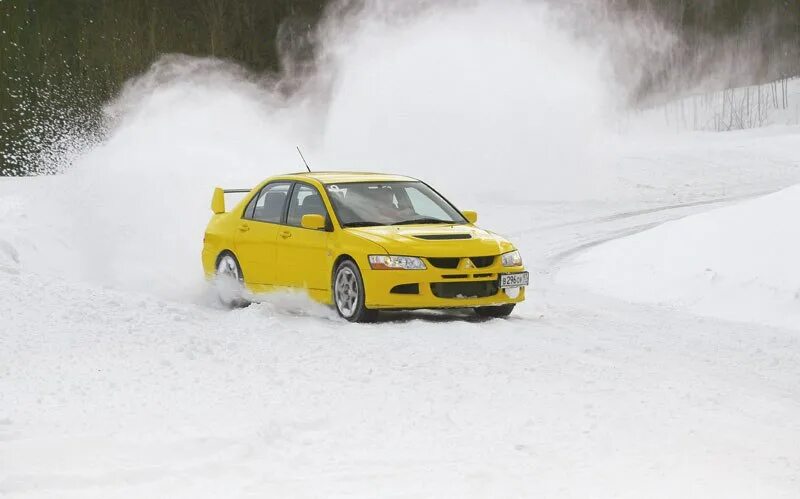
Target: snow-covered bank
776, 103
739, 262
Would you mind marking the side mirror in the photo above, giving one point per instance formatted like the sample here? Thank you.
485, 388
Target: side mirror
471, 216
313, 222
218, 201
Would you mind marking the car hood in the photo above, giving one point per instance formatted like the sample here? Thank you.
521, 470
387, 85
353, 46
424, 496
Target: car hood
435, 240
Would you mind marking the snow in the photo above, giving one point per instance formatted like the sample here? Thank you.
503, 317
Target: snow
121, 377
111, 391
140, 397
738, 262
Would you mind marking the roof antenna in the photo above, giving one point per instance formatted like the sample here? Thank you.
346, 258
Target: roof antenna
304, 159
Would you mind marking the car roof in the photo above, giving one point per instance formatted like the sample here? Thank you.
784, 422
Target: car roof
345, 177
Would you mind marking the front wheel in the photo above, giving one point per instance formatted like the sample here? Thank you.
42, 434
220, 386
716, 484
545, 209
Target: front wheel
348, 294
499, 311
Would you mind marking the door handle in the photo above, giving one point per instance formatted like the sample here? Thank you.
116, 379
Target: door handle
244, 227
286, 234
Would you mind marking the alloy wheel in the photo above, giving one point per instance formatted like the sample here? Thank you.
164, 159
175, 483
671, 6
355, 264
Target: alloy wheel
346, 289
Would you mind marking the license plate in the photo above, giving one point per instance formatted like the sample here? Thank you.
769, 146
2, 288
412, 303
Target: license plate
514, 280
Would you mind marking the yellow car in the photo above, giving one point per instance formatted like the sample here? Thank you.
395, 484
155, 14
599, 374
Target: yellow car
362, 242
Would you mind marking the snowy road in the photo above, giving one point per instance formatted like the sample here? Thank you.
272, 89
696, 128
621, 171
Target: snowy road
107, 392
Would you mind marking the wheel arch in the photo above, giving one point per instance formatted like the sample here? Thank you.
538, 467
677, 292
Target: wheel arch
339, 259
226, 251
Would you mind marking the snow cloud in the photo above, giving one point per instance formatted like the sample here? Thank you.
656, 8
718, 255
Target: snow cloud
476, 99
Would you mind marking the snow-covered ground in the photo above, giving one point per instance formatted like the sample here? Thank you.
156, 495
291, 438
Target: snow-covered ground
112, 392
120, 377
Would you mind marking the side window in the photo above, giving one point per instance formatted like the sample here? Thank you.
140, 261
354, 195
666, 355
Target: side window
251, 206
424, 205
269, 204
305, 201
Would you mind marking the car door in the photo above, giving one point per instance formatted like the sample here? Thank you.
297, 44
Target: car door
303, 259
257, 233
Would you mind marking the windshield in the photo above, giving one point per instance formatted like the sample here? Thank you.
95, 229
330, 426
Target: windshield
363, 204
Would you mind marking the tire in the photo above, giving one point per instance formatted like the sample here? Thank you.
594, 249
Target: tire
498, 311
348, 293
229, 281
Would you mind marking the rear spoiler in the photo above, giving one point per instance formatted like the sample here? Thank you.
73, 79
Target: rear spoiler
218, 199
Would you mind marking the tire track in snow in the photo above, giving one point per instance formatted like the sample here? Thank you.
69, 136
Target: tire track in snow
632, 223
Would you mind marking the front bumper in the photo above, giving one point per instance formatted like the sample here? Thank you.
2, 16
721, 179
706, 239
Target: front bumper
380, 284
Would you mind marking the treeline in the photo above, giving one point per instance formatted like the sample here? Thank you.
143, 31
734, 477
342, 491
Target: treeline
61, 59
731, 42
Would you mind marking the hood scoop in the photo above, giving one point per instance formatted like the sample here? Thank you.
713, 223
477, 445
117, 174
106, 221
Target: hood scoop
442, 237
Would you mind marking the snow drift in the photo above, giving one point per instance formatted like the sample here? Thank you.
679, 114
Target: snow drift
739, 262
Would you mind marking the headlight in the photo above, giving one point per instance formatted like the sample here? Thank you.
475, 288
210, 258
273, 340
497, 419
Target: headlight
511, 259
391, 262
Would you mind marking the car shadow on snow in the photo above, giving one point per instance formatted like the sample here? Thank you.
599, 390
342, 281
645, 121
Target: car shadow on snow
435, 316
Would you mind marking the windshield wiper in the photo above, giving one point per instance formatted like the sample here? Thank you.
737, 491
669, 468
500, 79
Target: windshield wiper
361, 224
423, 221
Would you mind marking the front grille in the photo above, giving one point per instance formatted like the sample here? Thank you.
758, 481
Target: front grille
443, 237
406, 289
482, 261
474, 289
444, 263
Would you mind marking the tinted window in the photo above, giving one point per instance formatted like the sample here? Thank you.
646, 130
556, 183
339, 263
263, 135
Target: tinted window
305, 201
268, 206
